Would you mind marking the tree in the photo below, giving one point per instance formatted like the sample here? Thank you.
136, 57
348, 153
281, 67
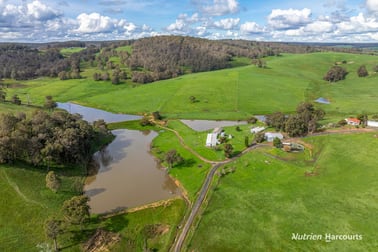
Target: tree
76, 210
228, 150
53, 228
362, 71
246, 141
172, 157
115, 77
375, 68
50, 104
259, 137
277, 142
63, 75
3, 94
52, 181
156, 115
276, 120
192, 99
252, 120
336, 73
16, 100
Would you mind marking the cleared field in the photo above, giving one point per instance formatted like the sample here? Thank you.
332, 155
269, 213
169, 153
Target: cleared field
26, 203
232, 93
267, 199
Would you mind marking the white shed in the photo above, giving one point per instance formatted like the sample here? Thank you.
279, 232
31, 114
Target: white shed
269, 136
372, 123
257, 130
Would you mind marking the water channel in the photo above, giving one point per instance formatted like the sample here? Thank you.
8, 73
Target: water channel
124, 174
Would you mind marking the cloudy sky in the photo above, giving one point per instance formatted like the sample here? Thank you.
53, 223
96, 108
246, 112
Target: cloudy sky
268, 20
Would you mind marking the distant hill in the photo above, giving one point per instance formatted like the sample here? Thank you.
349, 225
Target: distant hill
151, 59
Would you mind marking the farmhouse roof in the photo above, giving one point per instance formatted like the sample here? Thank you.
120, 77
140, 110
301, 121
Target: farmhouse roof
354, 120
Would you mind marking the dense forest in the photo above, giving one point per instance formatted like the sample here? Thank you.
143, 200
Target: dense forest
150, 59
22, 62
45, 138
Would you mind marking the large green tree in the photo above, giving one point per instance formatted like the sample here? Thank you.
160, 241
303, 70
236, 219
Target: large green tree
336, 73
76, 210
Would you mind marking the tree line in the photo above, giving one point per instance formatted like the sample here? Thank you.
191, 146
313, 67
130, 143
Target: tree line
45, 139
151, 59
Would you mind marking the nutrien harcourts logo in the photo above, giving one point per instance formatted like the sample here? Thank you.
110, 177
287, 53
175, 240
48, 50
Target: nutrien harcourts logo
327, 237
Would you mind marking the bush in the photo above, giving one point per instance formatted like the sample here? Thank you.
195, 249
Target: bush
362, 71
336, 73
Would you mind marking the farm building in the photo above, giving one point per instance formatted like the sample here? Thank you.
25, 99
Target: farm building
372, 123
212, 138
353, 121
257, 130
269, 136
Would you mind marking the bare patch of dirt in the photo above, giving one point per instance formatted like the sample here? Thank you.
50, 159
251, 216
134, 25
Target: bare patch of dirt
101, 241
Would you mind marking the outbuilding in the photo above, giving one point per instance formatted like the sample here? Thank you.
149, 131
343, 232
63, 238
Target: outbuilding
372, 123
257, 130
269, 136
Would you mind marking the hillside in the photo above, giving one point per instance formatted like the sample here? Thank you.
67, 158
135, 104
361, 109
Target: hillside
234, 93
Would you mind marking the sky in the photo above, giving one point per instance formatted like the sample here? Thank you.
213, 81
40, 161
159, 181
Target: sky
268, 20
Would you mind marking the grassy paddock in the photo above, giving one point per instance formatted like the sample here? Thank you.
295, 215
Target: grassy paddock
26, 203
258, 207
234, 93
131, 227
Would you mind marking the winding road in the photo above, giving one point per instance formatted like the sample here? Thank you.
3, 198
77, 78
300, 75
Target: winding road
177, 246
204, 189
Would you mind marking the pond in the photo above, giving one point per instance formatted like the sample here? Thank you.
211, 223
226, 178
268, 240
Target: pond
124, 174
202, 125
127, 175
91, 114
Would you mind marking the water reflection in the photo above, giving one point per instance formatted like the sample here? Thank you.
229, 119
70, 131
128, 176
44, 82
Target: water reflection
92, 114
127, 174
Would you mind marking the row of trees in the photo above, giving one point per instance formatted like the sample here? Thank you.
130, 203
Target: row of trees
303, 122
44, 139
337, 73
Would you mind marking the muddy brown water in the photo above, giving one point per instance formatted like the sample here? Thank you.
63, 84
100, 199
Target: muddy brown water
124, 174
128, 175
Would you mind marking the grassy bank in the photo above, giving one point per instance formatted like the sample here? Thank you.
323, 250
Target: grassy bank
258, 207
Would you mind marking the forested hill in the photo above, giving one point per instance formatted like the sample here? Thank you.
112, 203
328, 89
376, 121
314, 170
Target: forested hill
148, 59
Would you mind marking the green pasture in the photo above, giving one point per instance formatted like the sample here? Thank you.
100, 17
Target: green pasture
26, 203
66, 52
269, 197
132, 227
234, 93
191, 172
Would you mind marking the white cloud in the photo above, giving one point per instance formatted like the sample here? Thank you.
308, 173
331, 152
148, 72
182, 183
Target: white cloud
183, 23
227, 23
251, 28
40, 11
372, 5
358, 24
94, 23
319, 27
289, 19
217, 7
